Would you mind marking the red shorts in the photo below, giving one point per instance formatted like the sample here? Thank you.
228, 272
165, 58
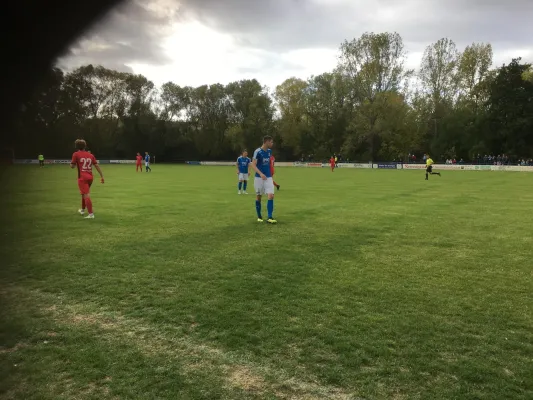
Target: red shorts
84, 184
138, 164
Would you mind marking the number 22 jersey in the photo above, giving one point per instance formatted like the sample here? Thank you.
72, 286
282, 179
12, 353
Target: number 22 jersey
84, 161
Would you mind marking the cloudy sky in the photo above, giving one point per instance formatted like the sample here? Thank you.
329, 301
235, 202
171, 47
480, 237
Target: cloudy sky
194, 42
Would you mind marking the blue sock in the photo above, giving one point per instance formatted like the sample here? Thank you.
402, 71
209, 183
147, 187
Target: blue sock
245, 185
270, 208
258, 208
240, 186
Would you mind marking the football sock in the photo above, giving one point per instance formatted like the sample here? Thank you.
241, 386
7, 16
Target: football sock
245, 185
240, 186
83, 204
426, 175
258, 208
270, 207
89, 203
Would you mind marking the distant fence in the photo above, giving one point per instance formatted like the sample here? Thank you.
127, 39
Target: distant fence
384, 165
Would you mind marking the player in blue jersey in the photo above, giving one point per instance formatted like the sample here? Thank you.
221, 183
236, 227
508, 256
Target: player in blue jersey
263, 182
243, 169
147, 162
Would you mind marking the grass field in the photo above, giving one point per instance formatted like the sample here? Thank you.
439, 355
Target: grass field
375, 284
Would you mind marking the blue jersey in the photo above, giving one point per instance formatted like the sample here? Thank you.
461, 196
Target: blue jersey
147, 158
263, 162
242, 164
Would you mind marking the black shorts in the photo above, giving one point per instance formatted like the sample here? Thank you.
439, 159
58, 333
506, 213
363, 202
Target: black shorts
41, 162
429, 168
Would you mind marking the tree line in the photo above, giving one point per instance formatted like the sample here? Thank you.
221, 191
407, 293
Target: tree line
369, 108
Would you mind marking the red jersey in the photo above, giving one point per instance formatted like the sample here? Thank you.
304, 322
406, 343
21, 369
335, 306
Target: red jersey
332, 161
139, 159
84, 161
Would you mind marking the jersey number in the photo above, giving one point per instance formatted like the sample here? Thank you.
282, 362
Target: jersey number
86, 163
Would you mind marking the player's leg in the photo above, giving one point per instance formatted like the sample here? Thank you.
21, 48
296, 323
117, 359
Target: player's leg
245, 183
85, 189
258, 186
239, 185
83, 205
88, 201
269, 190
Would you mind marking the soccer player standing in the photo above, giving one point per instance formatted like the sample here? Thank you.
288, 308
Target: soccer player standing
263, 182
243, 169
332, 163
147, 162
429, 166
84, 161
138, 163
41, 160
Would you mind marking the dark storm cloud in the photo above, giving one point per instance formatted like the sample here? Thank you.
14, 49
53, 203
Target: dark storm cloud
131, 33
290, 24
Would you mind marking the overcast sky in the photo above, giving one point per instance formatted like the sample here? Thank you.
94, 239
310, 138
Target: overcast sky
195, 42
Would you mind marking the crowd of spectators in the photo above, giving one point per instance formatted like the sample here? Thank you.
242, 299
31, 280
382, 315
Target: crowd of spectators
489, 159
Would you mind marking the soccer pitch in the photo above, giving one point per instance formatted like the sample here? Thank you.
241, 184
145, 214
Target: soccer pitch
374, 284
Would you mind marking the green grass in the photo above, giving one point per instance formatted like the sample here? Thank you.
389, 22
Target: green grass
375, 284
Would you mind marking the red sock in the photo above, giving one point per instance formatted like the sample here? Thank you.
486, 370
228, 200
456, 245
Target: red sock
83, 203
89, 205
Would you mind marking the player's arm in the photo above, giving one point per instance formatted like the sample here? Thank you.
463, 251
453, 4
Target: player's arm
97, 167
100, 172
254, 167
237, 166
73, 163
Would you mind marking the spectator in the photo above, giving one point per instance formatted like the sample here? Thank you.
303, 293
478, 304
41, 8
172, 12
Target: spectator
454, 161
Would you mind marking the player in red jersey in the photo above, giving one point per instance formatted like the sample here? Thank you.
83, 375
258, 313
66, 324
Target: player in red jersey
272, 160
84, 160
138, 165
332, 163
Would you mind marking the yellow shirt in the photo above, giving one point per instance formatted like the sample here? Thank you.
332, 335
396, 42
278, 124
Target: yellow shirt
335, 159
429, 162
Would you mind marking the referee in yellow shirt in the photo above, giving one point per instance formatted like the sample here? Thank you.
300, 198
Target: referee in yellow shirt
429, 167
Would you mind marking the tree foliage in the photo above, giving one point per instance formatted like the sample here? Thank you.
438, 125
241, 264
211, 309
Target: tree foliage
370, 107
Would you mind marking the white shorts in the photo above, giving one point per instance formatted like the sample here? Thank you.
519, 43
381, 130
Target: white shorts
146, 164
243, 177
263, 187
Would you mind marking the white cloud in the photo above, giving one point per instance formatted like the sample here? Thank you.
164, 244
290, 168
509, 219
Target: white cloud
196, 42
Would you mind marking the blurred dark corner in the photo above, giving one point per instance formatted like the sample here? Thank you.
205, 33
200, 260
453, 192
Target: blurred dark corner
34, 34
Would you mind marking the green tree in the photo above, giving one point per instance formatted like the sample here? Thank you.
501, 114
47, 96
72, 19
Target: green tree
510, 113
293, 124
373, 65
250, 113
